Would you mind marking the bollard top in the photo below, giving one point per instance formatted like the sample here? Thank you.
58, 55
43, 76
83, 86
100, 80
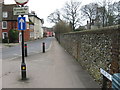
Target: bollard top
25, 45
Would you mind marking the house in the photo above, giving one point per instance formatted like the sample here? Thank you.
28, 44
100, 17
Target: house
94, 25
9, 22
48, 32
36, 25
1, 3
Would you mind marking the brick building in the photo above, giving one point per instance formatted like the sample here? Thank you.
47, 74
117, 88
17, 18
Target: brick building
48, 32
1, 3
9, 22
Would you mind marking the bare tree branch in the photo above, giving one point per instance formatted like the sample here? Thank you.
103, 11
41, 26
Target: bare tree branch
55, 17
71, 12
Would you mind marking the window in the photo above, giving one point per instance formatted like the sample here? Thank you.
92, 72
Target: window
4, 25
5, 35
5, 14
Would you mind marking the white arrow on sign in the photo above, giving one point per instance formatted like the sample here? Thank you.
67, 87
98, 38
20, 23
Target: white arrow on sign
21, 22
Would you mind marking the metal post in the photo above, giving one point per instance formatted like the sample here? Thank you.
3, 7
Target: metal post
104, 84
23, 65
43, 47
25, 50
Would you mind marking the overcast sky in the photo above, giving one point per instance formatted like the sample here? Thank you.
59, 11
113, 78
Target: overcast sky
44, 8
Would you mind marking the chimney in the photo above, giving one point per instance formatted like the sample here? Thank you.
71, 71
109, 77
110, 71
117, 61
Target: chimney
33, 12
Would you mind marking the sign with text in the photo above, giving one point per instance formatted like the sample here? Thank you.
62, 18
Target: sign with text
106, 74
21, 23
20, 10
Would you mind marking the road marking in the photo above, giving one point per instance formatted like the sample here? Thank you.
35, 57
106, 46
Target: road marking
14, 58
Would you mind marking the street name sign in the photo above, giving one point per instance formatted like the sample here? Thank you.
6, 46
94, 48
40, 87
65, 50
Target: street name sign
20, 10
106, 74
21, 2
21, 23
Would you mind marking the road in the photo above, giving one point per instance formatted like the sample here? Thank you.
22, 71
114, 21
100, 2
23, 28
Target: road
33, 47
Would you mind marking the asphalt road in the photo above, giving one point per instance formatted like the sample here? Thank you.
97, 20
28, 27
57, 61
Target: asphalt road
33, 47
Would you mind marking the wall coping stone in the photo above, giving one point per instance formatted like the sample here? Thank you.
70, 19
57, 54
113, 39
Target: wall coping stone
110, 29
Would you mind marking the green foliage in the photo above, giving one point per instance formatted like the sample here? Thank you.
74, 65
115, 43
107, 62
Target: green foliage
13, 36
62, 27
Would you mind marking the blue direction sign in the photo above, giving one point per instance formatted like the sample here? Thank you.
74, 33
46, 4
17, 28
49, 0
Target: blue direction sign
21, 23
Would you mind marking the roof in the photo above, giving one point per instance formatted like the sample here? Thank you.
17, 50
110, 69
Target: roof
33, 15
48, 29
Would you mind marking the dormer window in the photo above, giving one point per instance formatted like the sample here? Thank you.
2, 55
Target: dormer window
5, 14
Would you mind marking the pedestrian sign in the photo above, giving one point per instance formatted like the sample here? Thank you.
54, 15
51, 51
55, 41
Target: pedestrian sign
21, 23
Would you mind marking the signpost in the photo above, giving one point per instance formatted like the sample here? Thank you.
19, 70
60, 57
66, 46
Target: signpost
20, 10
22, 27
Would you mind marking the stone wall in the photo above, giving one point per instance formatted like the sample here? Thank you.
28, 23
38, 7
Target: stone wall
95, 49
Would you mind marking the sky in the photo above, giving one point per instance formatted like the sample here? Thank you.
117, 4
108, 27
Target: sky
44, 8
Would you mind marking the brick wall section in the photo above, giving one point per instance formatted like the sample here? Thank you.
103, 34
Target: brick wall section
95, 49
10, 25
27, 35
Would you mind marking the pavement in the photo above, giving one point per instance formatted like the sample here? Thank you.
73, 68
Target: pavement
53, 69
6, 45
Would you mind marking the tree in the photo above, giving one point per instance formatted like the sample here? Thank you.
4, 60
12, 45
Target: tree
55, 17
116, 8
106, 14
71, 13
89, 11
13, 36
61, 27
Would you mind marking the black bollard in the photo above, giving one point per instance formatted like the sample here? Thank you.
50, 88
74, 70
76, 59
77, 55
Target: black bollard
43, 47
25, 50
23, 71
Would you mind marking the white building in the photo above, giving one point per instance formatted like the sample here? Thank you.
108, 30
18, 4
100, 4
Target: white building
36, 25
